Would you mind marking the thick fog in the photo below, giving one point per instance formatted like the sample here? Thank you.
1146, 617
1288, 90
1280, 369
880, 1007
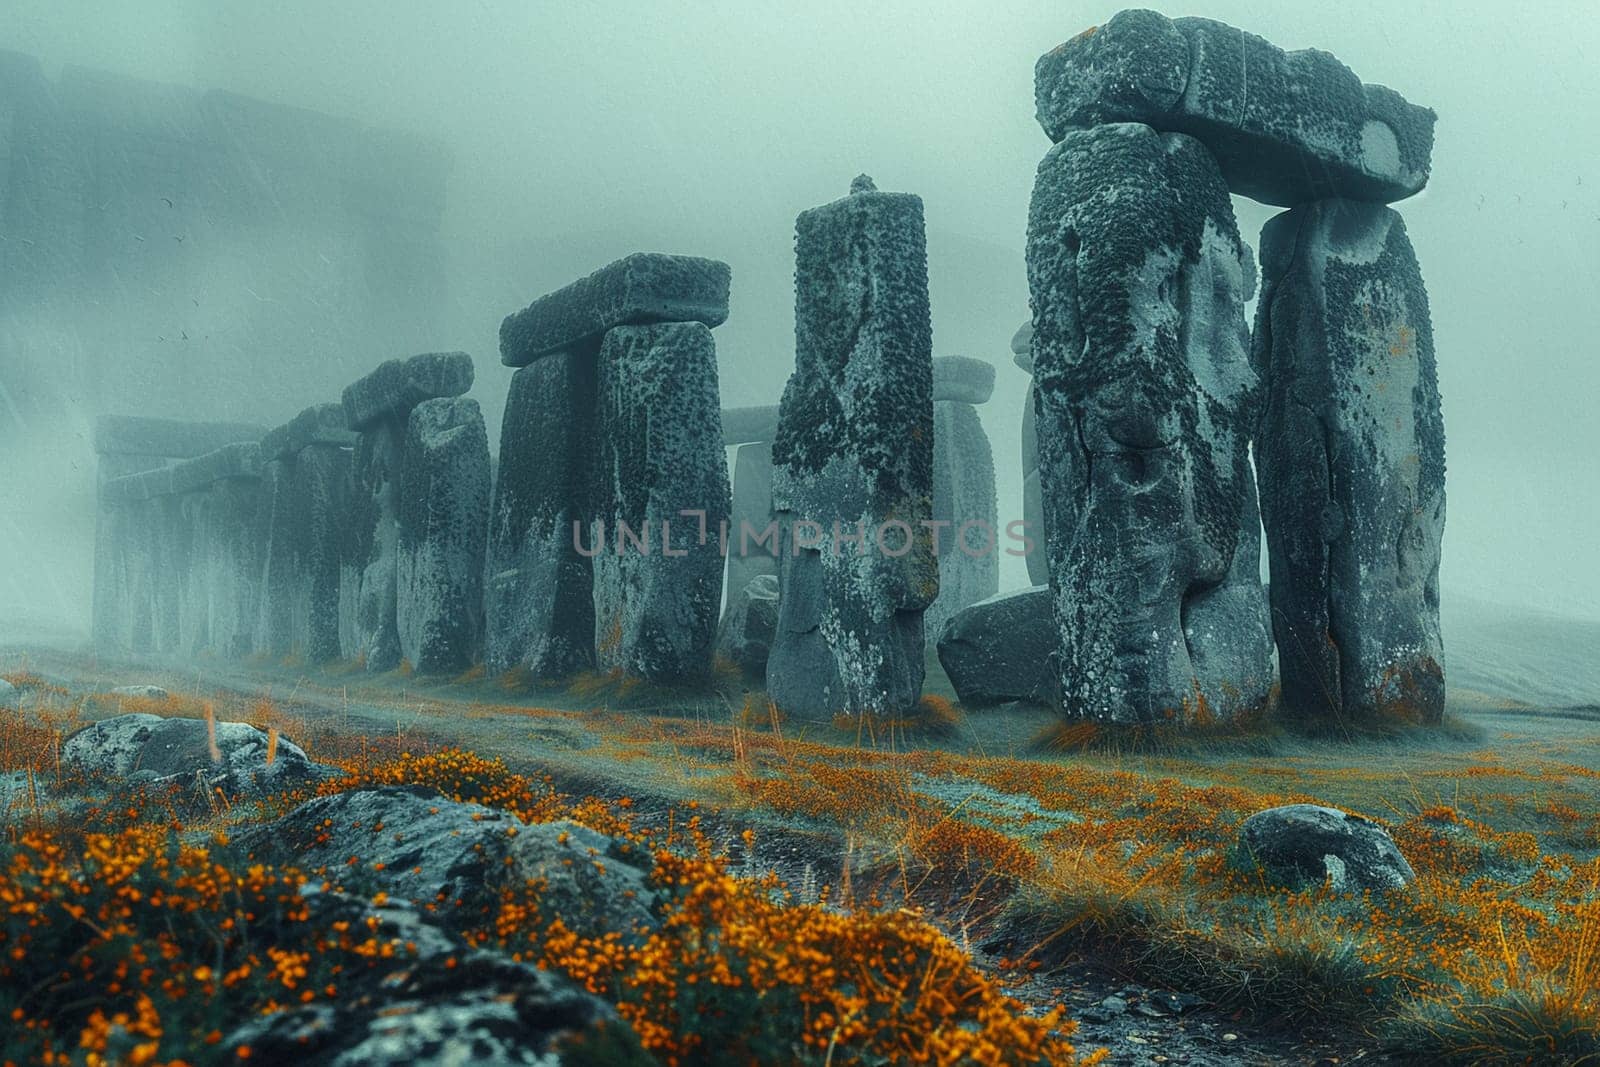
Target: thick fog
573, 133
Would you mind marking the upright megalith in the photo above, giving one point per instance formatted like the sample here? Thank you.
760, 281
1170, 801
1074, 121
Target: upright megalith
538, 598
853, 462
1037, 557
378, 406
1145, 400
751, 551
1351, 463
965, 512
443, 520
661, 502
643, 288
1284, 127
311, 489
227, 557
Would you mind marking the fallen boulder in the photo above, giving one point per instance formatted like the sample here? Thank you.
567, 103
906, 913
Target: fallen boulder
1002, 649
151, 750
1300, 846
748, 626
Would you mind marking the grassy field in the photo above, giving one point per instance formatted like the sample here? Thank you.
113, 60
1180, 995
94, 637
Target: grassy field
1015, 837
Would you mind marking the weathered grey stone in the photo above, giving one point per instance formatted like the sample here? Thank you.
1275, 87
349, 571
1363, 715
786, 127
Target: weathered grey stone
662, 474
280, 537
144, 692
1003, 649
444, 516
322, 484
435, 1001
1284, 127
540, 589
757, 425
162, 750
320, 424
9, 697
140, 435
751, 552
643, 288
965, 509
1304, 846
854, 452
596, 885
1038, 556
962, 379
1350, 457
1145, 400
375, 634
227, 566
748, 627
398, 385
242, 459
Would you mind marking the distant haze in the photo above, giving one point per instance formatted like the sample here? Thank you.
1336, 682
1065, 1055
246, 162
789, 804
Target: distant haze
580, 132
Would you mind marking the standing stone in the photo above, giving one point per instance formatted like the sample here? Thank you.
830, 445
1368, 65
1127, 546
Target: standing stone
854, 457
1145, 401
1351, 463
278, 534
1284, 127
231, 556
443, 518
1037, 558
540, 595
660, 454
965, 511
379, 406
750, 552
744, 637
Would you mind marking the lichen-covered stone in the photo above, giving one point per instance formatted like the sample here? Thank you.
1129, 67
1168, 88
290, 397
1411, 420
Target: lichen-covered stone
1350, 459
750, 425
320, 424
1038, 557
964, 509
1306, 846
540, 589
374, 637
443, 520
322, 483
659, 455
1003, 649
1285, 127
1022, 347
962, 379
394, 387
854, 452
1145, 400
171, 750
646, 287
751, 551
744, 637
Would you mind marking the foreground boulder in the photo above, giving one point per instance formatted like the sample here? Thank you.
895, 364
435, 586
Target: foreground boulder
151, 750
1285, 127
1002, 649
438, 1003
454, 858
1301, 846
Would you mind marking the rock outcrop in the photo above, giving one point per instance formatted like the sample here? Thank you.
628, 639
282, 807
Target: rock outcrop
1003, 649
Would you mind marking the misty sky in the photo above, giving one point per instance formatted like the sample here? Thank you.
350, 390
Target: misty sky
586, 130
